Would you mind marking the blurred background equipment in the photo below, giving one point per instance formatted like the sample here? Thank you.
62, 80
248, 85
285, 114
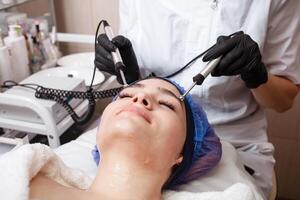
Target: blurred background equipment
30, 52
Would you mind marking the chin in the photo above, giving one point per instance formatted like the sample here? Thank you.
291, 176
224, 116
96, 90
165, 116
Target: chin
125, 130
126, 127
126, 137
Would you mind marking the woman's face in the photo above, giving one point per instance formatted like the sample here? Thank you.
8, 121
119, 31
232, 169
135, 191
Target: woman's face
148, 122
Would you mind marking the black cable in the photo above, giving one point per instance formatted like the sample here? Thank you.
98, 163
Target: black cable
63, 97
44, 93
9, 84
189, 63
96, 35
198, 56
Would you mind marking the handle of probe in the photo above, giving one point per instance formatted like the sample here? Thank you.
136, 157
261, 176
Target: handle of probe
115, 54
199, 78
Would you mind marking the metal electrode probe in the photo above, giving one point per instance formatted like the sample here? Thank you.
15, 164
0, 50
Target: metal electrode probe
199, 78
117, 59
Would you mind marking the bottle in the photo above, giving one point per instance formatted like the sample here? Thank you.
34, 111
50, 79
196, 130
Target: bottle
36, 58
16, 43
39, 39
6, 72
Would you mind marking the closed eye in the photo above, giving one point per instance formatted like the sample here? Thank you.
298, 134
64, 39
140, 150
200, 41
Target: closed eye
167, 104
125, 95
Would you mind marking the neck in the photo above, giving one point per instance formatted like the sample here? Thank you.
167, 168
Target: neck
122, 177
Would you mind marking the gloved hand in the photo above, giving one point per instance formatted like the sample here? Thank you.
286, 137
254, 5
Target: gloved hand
104, 61
240, 55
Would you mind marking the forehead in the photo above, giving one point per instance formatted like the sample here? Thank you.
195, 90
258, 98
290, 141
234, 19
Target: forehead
160, 83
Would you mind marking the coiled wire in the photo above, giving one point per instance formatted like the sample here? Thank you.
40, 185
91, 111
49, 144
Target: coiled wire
63, 97
50, 93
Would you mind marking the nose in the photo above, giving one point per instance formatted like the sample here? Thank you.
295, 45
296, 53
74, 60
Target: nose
143, 99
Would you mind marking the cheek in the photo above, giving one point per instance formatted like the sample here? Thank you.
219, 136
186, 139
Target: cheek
176, 136
105, 121
172, 136
109, 113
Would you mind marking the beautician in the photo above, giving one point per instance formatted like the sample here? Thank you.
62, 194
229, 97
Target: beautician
259, 67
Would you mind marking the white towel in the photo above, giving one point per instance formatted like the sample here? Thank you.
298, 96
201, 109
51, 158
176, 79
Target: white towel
18, 167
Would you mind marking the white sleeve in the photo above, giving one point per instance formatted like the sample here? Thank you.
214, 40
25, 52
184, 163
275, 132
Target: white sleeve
281, 52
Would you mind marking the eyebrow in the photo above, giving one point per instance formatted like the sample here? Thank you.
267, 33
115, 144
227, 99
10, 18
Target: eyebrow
163, 90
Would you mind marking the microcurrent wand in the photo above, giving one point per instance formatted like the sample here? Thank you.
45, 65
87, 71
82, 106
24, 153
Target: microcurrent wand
199, 78
117, 59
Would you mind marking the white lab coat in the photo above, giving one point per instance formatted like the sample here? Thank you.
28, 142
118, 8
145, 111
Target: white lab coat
166, 34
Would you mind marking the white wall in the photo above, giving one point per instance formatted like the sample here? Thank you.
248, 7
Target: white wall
82, 16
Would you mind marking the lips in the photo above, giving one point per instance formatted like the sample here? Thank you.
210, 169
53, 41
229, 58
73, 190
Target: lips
138, 111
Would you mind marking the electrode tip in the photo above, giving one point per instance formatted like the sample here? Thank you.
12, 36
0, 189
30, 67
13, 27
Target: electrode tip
181, 97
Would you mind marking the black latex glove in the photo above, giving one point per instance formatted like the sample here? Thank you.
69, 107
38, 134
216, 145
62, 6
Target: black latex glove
104, 60
240, 55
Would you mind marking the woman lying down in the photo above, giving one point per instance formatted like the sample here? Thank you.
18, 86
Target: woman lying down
149, 141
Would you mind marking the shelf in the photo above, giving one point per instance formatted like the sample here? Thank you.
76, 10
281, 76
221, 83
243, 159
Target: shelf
13, 4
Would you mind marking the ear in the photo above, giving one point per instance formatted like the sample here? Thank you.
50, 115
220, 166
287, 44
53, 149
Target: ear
178, 160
